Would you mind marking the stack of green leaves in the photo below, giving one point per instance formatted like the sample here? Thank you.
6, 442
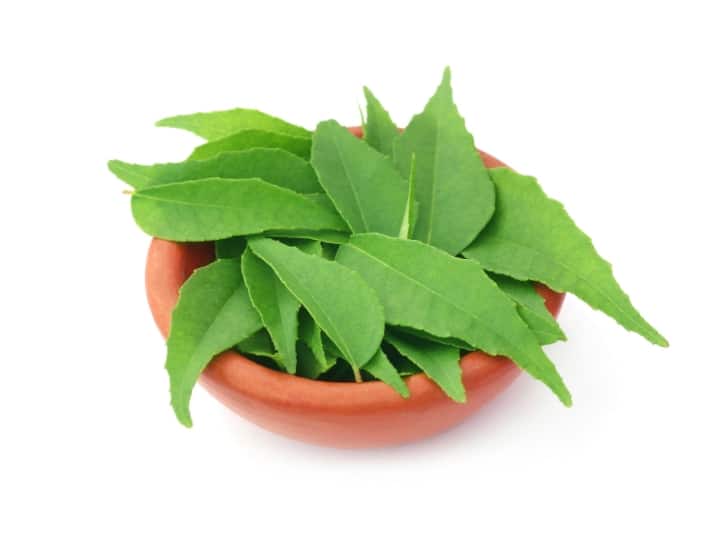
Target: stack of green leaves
348, 259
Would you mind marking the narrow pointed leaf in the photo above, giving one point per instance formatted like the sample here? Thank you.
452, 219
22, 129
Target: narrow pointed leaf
310, 334
216, 208
410, 214
131, 174
453, 187
382, 369
532, 237
278, 309
379, 130
218, 124
306, 245
440, 363
425, 336
366, 189
403, 366
273, 165
253, 138
312, 359
213, 313
260, 344
324, 288
531, 307
309, 364
424, 288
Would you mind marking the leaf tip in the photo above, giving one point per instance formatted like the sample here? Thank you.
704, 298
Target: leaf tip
460, 398
116, 167
166, 122
183, 415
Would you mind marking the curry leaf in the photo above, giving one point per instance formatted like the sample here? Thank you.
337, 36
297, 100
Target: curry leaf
362, 183
379, 130
441, 363
453, 187
424, 288
218, 124
273, 165
253, 138
309, 365
532, 237
310, 334
323, 287
409, 216
382, 369
213, 313
531, 308
260, 344
278, 309
133, 175
403, 366
216, 208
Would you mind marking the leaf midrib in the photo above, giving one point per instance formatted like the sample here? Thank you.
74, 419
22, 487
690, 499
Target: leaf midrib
436, 294
352, 185
314, 299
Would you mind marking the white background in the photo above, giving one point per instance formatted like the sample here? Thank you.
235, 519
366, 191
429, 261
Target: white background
613, 105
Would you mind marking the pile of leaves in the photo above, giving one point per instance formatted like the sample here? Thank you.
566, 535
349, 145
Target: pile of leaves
348, 259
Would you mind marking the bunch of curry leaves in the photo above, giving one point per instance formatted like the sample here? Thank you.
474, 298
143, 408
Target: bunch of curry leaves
342, 258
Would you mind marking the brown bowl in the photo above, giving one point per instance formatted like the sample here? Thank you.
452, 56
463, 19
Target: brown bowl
343, 415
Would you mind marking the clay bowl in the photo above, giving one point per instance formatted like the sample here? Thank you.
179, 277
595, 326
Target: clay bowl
342, 415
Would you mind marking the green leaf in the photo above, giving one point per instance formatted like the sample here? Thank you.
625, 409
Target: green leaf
213, 313
216, 208
306, 245
410, 214
403, 366
362, 183
229, 248
380, 367
314, 360
253, 138
309, 365
449, 341
533, 238
424, 288
131, 174
453, 187
440, 362
341, 303
273, 165
380, 131
531, 307
260, 344
218, 124
278, 309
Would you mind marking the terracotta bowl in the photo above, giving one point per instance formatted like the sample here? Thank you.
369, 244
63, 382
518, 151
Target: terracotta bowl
343, 415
